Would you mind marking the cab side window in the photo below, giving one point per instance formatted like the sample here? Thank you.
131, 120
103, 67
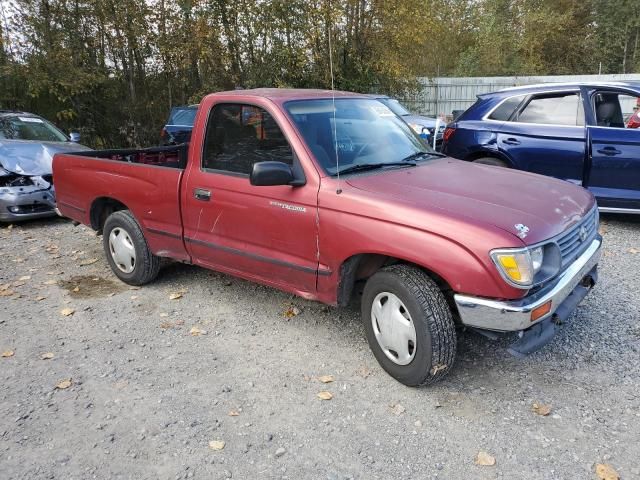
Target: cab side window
557, 109
240, 135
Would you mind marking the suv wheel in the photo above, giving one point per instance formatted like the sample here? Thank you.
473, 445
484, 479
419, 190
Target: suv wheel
409, 325
496, 162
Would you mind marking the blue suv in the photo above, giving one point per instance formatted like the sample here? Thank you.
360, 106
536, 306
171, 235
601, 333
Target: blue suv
576, 132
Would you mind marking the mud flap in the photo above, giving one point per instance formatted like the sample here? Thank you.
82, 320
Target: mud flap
540, 334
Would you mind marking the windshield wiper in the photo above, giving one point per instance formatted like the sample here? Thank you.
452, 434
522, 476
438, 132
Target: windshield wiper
416, 155
361, 167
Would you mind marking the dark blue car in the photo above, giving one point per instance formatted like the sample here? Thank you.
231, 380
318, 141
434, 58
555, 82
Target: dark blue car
575, 132
178, 128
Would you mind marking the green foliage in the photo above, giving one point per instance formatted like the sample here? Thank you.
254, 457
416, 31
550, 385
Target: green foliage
113, 68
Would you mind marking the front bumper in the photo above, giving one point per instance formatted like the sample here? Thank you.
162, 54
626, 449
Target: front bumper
570, 287
26, 203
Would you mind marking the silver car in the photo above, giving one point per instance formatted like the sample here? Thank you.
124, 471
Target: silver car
27, 146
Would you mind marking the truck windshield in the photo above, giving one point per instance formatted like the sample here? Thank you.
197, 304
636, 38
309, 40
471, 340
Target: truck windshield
360, 132
30, 128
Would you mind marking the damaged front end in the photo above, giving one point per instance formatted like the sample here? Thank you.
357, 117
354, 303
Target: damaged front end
24, 197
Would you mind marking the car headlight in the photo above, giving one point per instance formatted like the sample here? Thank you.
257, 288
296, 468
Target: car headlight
526, 267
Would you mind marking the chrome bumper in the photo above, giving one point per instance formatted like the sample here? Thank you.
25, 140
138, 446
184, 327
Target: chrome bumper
514, 315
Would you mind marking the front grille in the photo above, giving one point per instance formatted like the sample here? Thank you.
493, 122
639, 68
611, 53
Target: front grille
575, 241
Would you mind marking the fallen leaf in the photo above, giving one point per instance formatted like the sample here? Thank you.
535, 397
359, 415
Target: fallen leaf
64, 384
175, 296
484, 459
196, 332
541, 409
67, 311
50, 282
39, 299
18, 283
325, 396
166, 325
398, 409
604, 471
134, 297
5, 286
25, 277
46, 356
631, 250
326, 378
88, 261
603, 230
6, 293
233, 413
216, 445
291, 312
77, 289
8, 353
164, 315
436, 368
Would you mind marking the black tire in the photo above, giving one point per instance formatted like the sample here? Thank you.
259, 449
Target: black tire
496, 162
146, 265
435, 347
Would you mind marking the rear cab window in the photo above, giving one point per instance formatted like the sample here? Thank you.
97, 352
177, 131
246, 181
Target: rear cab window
239, 135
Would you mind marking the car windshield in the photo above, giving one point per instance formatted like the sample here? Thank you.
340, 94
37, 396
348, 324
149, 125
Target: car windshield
182, 116
30, 128
360, 132
395, 106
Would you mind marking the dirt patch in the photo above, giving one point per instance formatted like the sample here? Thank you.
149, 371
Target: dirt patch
90, 286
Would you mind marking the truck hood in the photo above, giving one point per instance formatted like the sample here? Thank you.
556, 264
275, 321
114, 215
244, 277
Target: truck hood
498, 196
26, 157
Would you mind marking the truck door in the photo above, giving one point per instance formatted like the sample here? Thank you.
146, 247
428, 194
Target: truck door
267, 234
546, 135
614, 177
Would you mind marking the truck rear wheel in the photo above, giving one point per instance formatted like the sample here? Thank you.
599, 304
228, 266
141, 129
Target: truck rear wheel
409, 325
127, 251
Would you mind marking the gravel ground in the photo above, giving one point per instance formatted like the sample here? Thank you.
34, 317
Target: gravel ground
147, 394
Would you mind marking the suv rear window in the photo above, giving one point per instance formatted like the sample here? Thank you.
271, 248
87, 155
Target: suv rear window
506, 108
563, 109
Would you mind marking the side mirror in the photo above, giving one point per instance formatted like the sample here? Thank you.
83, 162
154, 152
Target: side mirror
74, 137
266, 174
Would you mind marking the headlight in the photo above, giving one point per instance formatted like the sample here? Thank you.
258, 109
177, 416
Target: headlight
515, 265
526, 267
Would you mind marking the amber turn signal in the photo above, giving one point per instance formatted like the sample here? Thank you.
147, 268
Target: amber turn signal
540, 311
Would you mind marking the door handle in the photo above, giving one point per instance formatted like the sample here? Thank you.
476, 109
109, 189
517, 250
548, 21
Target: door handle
202, 194
609, 151
511, 141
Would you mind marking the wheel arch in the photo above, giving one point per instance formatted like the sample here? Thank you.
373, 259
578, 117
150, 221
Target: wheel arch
100, 210
361, 266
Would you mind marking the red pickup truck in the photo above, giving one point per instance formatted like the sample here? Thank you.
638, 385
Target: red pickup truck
330, 195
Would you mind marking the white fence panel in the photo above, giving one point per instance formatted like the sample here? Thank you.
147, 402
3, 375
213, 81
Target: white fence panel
440, 96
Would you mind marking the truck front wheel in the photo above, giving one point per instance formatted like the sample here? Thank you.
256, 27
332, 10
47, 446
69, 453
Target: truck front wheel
409, 325
127, 251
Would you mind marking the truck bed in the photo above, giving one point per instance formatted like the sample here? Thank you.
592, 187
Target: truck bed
144, 181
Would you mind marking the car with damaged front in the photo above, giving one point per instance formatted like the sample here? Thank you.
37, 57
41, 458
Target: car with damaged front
28, 143
333, 197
